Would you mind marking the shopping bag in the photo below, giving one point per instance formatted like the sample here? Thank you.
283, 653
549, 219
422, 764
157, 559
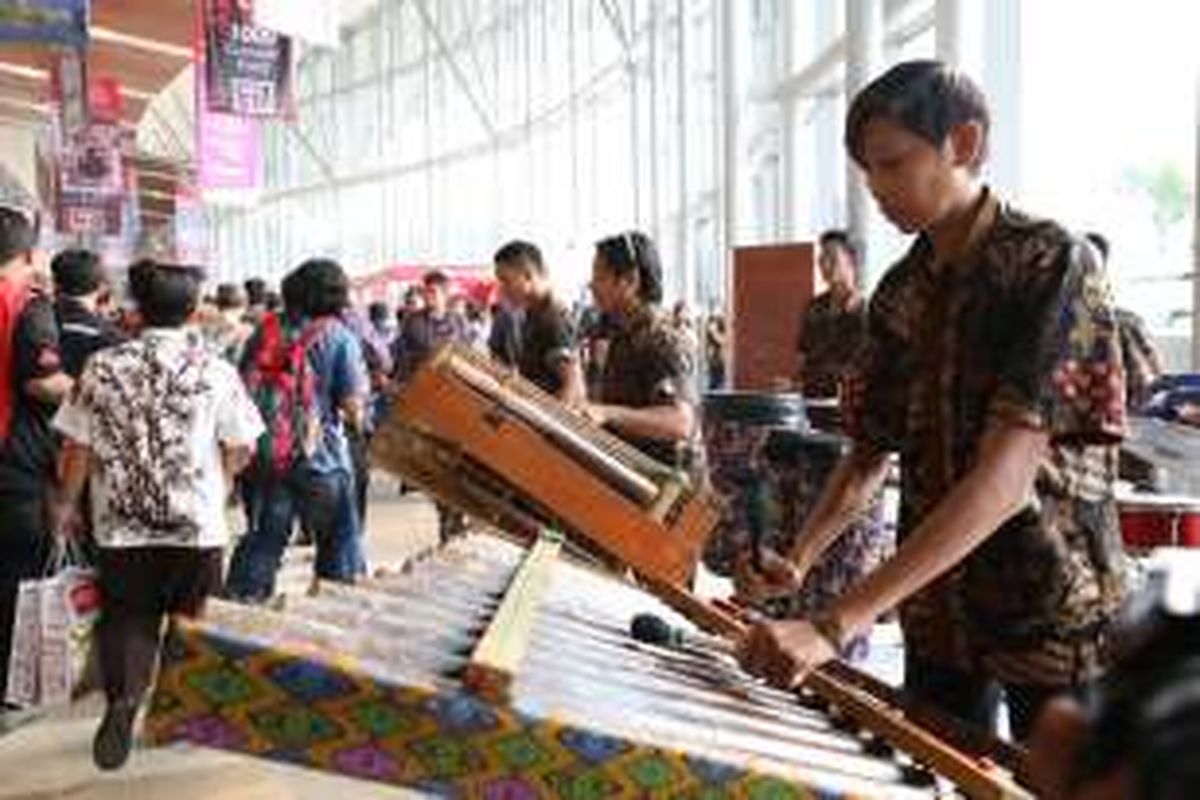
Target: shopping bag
52, 636
24, 661
70, 609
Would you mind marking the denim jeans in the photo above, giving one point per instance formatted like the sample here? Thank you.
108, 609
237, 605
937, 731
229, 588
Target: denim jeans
323, 502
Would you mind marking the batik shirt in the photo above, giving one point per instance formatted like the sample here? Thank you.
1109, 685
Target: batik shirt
649, 364
831, 341
1140, 357
1018, 328
154, 413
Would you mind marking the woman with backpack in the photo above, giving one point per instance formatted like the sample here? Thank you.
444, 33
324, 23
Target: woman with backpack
306, 373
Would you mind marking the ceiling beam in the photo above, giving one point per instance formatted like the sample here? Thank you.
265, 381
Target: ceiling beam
99, 33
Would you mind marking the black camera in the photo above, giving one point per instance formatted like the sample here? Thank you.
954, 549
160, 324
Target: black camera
1145, 712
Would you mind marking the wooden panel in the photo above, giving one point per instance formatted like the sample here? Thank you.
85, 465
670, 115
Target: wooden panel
168, 21
772, 287
136, 69
520, 454
156, 182
17, 87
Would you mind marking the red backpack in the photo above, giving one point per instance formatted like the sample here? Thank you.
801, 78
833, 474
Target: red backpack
281, 383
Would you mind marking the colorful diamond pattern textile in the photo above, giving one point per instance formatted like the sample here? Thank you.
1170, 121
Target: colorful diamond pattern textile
297, 707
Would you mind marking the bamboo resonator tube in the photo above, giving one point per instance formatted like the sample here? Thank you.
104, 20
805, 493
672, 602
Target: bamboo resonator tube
629, 481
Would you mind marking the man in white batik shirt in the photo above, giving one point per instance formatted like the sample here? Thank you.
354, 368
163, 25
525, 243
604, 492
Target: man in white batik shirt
158, 427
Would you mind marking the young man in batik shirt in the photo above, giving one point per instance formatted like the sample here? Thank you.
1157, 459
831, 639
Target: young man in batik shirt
834, 328
993, 368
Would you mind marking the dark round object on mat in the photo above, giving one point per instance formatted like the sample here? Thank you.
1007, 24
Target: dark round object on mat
651, 629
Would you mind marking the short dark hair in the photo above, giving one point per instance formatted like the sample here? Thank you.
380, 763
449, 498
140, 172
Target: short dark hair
229, 296
272, 300
517, 252
842, 239
77, 272
326, 287
634, 253
435, 277
256, 291
294, 296
17, 234
926, 98
166, 294
1098, 241
378, 312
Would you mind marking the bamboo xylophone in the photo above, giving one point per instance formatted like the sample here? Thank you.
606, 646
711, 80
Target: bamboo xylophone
479, 437
489, 671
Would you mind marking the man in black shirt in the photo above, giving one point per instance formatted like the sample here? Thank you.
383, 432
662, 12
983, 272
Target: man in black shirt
548, 355
79, 283
504, 339
32, 383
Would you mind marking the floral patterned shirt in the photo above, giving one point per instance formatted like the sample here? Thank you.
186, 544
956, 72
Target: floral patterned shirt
1019, 327
831, 342
154, 413
649, 364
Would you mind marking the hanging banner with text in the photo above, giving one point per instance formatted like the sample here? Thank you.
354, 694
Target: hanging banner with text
61, 21
247, 68
92, 180
228, 148
87, 213
91, 160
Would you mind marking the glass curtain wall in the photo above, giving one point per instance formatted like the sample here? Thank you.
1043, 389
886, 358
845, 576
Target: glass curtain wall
439, 129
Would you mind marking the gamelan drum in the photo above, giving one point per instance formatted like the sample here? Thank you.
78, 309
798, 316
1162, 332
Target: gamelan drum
735, 425
796, 466
1159, 520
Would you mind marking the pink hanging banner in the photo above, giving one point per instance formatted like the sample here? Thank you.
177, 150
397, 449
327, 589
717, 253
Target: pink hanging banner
228, 148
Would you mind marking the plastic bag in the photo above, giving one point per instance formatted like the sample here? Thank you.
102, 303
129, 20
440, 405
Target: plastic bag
52, 636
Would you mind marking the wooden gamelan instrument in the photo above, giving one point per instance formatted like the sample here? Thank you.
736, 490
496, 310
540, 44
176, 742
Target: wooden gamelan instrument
479, 437
488, 670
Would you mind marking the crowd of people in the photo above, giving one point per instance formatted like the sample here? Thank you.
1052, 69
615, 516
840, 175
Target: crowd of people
989, 357
131, 425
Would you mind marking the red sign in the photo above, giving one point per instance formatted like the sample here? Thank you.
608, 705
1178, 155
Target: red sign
102, 101
105, 100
